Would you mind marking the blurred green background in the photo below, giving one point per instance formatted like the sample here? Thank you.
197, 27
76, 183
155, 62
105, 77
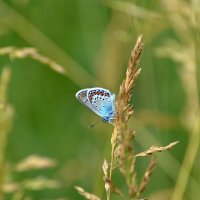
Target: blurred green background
92, 41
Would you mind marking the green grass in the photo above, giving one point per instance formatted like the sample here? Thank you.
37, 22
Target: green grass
92, 42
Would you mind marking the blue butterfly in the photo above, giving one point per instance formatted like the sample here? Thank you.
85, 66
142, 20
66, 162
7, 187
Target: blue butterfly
100, 101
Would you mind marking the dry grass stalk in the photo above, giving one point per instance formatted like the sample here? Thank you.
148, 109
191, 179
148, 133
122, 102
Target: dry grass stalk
146, 176
10, 187
109, 186
39, 183
122, 154
34, 162
184, 19
122, 136
105, 177
85, 194
153, 149
124, 111
6, 115
32, 53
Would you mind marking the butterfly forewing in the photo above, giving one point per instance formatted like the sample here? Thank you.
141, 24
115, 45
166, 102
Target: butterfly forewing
82, 97
99, 100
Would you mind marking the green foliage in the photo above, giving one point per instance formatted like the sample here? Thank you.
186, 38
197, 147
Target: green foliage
84, 44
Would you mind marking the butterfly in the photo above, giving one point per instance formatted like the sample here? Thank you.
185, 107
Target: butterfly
101, 101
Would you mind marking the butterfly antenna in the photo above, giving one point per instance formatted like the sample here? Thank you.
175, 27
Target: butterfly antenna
92, 125
111, 121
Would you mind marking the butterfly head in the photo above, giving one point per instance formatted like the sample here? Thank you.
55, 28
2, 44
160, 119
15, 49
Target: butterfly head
106, 119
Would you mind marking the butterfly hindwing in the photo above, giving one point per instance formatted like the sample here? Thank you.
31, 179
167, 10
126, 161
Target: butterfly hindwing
101, 101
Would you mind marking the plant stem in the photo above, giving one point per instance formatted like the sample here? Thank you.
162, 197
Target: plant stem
188, 162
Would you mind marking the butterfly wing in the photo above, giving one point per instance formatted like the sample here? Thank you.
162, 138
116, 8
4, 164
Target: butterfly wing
82, 96
103, 102
99, 100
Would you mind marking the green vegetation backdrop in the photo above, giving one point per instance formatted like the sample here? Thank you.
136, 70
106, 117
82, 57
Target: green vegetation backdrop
92, 41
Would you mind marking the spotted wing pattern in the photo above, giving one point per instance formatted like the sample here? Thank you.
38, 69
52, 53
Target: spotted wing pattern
99, 100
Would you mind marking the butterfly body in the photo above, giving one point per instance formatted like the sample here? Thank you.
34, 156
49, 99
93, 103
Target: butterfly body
101, 101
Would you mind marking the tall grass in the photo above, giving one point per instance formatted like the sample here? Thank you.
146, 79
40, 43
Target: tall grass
6, 116
123, 157
176, 23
